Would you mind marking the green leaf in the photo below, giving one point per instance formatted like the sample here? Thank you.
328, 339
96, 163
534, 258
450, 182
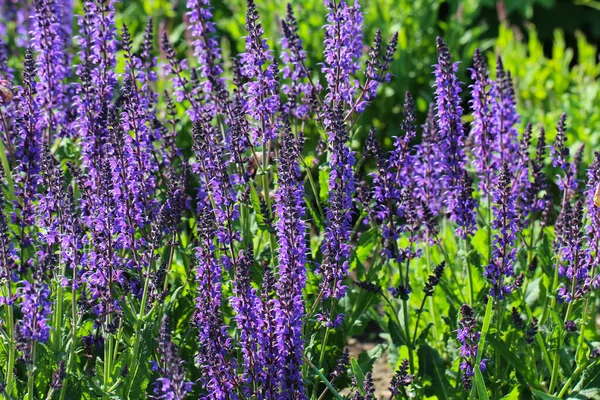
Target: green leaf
323, 185
368, 358
432, 369
543, 395
588, 386
255, 200
396, 334
314, 214
480, 385
513, 360
484, 329
358, 373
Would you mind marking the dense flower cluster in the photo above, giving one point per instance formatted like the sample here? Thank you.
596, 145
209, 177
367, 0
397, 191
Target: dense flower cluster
187, 232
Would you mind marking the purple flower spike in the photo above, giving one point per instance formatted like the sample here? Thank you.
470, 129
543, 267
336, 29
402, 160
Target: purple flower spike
336, 250
262, 88
291, 234
468, 336
343, 48
504, 253
458, 201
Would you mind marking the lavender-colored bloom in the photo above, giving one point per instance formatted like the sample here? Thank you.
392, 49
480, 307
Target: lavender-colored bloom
522, 186
215, 344
291, 235
36, 308
376, 67
249, 317
392, 181
481, 128
336, 250
460, 206
206, 48
218, 189
343, 48
468, 336
504, 119
27, 146
592, 228
294, 70
172, 384
504, 252
464, 206
575, 258
138, 148
262, 88
179, 81
426, 172
48, 40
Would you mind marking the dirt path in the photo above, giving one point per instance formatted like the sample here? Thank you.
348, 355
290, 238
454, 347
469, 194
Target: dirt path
382, 372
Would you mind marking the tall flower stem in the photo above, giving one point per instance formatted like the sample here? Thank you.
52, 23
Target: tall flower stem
31, 373
469, 273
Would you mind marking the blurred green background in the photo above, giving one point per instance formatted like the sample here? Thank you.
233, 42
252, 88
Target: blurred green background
550, 46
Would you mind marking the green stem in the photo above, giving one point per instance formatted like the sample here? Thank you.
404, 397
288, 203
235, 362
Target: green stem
31, 374
138, 328
554, 379
469, 274
407, 329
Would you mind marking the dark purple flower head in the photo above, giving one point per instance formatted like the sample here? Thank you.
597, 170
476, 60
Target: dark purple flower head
516, 319
434, 279
531, 331
468, 336
505, 222
559, 151
401, 379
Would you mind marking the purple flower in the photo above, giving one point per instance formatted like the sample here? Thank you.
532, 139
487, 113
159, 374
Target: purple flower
207, 51
401, 379
262, 88
504, 119
560, 153
456, 194
468, 336
481, 130
218, 372
36, 307
300, 84
249, 317
28, 144
343, 48
172, 384
426, 173
336, 250
504, 253
291, 235
48, 39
